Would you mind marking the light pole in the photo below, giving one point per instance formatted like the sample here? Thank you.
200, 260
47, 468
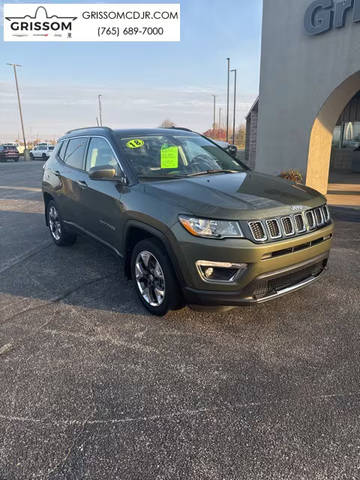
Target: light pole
214, 123
100, 110
14, 65
227, 99
234, 119
220, 110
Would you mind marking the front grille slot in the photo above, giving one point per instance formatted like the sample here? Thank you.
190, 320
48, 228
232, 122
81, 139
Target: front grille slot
326, 213
258, 231
288, 226
273, 228
310, 219
299, 223
318, 216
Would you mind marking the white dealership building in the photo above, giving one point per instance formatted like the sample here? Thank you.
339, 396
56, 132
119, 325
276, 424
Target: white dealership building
309, 107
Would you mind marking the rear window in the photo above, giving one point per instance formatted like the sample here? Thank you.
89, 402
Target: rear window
10, 147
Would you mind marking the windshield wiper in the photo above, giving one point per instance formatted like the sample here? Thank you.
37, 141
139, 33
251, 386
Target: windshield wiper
210, 172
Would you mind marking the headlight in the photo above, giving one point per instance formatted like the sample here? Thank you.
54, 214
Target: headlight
203, 227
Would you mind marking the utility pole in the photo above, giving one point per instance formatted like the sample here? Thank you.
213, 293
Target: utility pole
234, 119
227, 99
14, 65
100, 110
214, 122
220, 110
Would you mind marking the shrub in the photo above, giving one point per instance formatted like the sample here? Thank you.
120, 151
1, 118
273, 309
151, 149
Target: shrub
292, 175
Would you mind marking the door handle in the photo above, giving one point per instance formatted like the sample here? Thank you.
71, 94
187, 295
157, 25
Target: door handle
56, 173
82, 183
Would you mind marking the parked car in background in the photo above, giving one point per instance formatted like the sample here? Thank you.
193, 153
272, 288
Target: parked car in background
41, 151
192, 224
9, 151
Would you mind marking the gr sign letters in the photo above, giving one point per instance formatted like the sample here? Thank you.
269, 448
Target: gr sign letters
324, 15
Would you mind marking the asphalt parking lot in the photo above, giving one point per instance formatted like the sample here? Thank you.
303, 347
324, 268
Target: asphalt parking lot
93, 387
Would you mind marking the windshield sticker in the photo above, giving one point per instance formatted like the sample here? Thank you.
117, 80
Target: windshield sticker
170, 157
135, 143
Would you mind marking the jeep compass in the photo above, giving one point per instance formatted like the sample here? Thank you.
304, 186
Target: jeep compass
192, 224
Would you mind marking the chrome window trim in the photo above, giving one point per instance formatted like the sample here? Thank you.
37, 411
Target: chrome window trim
264, 230
292, 226
268, 229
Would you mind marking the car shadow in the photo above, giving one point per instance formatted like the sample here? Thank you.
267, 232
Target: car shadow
86, 274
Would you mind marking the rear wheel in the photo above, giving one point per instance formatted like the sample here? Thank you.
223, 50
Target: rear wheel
154, 278
59, 234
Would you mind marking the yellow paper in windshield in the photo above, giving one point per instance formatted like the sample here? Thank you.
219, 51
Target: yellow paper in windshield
169, 157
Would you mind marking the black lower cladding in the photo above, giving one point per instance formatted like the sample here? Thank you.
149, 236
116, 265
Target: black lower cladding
261, 288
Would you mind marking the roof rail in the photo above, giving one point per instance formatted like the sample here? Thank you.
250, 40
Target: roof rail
181, 128
87, 128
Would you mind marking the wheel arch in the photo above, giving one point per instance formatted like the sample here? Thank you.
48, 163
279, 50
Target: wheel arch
137, 231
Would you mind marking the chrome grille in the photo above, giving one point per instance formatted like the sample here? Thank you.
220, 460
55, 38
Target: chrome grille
299, 223
288, 226
273, 228
258, 231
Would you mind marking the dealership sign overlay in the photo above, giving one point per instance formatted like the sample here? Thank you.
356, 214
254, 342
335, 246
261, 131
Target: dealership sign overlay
66, 22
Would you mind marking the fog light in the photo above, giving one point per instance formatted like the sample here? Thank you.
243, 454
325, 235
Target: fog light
220, 272
208, 272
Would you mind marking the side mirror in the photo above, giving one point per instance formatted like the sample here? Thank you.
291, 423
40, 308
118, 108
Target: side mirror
104, 172
232, 150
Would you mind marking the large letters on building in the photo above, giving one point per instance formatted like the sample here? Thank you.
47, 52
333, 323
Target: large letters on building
324, 15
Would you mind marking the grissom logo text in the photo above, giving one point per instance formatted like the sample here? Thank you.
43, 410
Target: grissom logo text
41, 22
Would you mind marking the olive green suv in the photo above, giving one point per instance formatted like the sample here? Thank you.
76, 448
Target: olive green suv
192, 224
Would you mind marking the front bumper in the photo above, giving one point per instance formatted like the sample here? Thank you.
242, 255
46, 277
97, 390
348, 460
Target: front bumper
265, 287
274, 269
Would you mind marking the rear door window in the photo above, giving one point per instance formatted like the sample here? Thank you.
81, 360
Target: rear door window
75, 151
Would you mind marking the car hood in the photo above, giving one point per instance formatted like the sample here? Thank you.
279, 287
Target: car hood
247, 195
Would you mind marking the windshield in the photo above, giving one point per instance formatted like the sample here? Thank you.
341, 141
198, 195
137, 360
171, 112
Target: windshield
171, 156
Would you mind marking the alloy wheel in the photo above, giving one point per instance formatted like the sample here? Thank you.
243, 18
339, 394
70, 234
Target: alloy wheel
54, 223
150, 278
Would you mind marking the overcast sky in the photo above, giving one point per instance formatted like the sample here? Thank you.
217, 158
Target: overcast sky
141, 83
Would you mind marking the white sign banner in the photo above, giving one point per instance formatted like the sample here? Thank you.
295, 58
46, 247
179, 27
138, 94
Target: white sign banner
69, 22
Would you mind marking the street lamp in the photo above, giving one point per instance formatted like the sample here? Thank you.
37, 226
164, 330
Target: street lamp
100, 110
227, 99
14, 65
214, 123
234, 119
220, 110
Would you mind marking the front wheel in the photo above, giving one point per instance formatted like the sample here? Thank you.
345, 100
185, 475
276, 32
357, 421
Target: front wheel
154, 278
58, 233
31, 156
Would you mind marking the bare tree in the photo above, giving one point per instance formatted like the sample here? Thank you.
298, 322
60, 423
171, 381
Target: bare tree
167, 124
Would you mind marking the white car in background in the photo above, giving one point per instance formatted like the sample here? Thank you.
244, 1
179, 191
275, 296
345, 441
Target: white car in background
41, 151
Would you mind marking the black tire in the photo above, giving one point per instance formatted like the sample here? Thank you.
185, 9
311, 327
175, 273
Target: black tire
60, 235
44, 156
172, 298
17, 159
31, 156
